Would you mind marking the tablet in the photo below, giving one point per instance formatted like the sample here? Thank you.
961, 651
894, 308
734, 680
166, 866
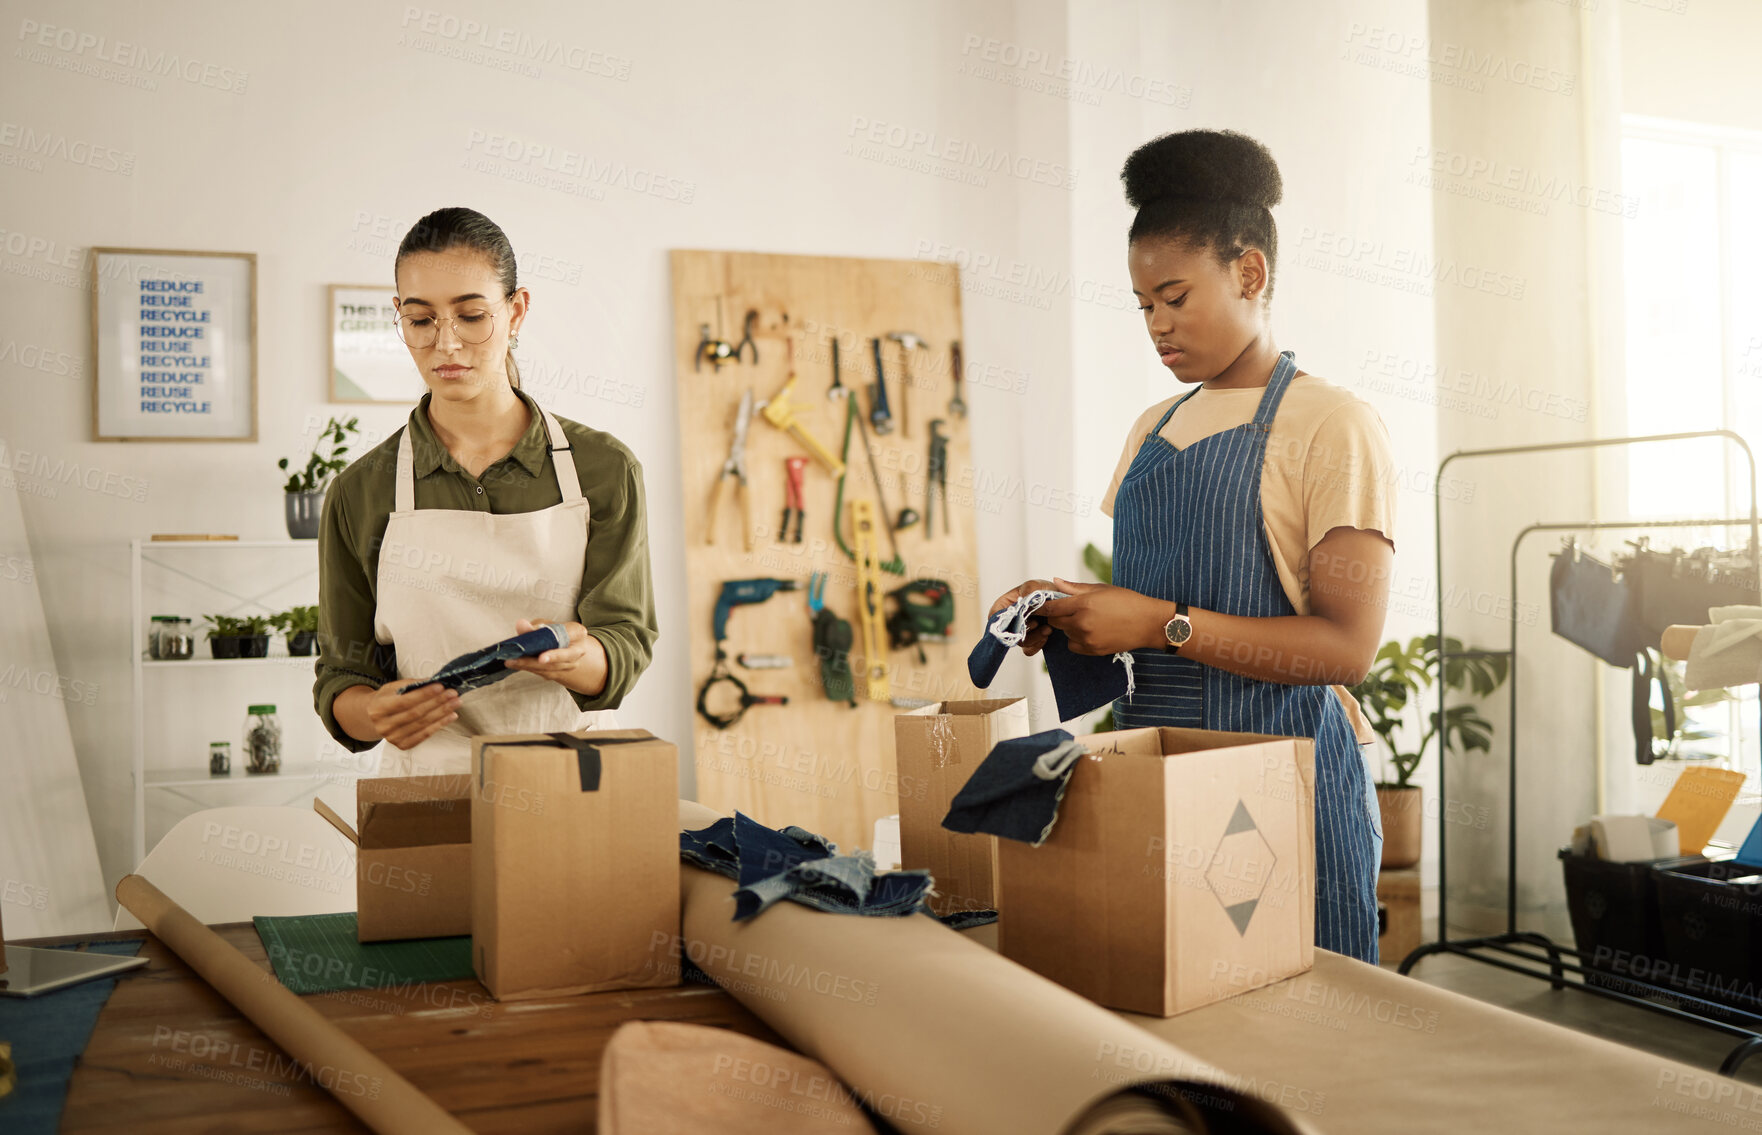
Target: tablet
31, 970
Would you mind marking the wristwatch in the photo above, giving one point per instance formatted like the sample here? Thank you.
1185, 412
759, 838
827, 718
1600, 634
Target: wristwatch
1178, 629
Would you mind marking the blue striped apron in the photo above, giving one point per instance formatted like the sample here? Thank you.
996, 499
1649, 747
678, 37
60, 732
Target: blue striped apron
1188, 528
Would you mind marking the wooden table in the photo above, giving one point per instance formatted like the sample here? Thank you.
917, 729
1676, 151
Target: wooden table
169, 1054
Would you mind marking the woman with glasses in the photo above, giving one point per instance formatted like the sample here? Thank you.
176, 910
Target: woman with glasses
482, 517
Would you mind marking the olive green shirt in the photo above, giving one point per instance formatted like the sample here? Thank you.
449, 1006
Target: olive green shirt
617, 604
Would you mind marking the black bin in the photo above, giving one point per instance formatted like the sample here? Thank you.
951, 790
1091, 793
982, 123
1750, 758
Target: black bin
1710, 916
1615, 921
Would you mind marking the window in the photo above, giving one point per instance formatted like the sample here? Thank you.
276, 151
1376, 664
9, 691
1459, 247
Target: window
1692, 282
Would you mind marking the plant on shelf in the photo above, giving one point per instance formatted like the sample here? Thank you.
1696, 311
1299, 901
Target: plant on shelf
1390, 697
305, 488
300, 625
238, 636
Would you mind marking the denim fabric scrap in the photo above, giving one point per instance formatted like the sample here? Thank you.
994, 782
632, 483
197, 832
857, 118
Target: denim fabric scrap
1016, 790
1080, 682
967, 919
792, 863
482, 667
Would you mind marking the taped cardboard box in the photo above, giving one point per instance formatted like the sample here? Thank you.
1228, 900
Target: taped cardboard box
937, 748
413, 856
574, 862
1181, 871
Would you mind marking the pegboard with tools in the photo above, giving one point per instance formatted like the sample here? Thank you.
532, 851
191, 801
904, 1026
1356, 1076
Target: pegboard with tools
783, 428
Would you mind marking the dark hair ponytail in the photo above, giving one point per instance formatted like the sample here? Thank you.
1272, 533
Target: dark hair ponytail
457, 227
1213, 188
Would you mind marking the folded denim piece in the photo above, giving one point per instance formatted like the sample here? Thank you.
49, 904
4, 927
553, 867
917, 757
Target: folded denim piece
792, 863
1015, 791
482, 667
967, 919
1080, 682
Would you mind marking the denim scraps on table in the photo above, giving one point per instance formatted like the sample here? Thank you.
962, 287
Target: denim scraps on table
795, 864
1016, 790
482, 667
1080, 682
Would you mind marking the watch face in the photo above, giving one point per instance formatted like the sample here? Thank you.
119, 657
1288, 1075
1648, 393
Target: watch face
1178, 630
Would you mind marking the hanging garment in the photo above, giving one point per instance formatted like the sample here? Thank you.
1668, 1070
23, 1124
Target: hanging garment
1591, 606
1015, 791
1080, 682
1678, 587
1188, 528
451, 580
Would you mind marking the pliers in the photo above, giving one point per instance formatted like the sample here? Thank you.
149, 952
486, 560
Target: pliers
752, 317
734, 467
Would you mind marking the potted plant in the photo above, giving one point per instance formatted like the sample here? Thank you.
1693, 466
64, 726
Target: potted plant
231, 636
1397, 678
305, 489
300, 625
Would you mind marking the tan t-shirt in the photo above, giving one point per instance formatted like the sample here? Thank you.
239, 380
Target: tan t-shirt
1328, 465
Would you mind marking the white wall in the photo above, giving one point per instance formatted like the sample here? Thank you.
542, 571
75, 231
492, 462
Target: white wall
345, 132
353, 121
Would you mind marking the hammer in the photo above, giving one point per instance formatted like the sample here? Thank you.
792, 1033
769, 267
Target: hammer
908, 341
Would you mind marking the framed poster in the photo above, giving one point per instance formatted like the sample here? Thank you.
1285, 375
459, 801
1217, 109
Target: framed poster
368, 362
174, 336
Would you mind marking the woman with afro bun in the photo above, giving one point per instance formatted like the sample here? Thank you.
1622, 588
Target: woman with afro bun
1253, 513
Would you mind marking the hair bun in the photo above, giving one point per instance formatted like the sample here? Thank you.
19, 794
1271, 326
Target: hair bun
1208, 165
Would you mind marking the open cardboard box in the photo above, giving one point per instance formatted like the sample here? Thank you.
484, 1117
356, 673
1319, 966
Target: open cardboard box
937, 748
413, 858
1181, 871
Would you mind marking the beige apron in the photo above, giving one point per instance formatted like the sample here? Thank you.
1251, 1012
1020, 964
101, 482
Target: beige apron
455, 580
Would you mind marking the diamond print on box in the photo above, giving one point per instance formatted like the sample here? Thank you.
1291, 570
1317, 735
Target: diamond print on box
1241, 864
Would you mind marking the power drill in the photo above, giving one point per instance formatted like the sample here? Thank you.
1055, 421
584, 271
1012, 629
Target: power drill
739, 592
736, 593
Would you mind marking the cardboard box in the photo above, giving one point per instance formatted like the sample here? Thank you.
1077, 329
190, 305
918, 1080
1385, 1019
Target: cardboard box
574, 862
413, 856
1181, 871
937, 749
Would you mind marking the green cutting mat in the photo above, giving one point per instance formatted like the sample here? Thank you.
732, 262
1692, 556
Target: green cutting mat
318, 953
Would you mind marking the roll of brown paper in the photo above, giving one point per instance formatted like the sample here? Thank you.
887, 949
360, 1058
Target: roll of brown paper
937, 1033
359, 1080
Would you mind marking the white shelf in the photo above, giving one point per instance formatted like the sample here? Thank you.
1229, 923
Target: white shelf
228, 543
197, 777
183, 781
187, 663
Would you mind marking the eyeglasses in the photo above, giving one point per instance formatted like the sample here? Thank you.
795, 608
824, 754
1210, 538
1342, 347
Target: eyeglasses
472, 326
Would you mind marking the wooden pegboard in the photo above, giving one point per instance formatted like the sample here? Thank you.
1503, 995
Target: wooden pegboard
817, 763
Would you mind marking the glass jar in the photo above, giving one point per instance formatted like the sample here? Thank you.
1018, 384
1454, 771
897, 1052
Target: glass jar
179, 639
159, 628
220, 758
262, 749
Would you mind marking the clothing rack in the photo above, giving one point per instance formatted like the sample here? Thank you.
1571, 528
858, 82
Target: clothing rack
1521, 951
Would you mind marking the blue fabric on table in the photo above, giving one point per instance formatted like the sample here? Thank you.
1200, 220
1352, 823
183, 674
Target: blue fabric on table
792, 863
482, 667
48, 1033
1080, 682
1015, 791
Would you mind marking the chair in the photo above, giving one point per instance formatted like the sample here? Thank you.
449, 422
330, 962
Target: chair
231, 864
